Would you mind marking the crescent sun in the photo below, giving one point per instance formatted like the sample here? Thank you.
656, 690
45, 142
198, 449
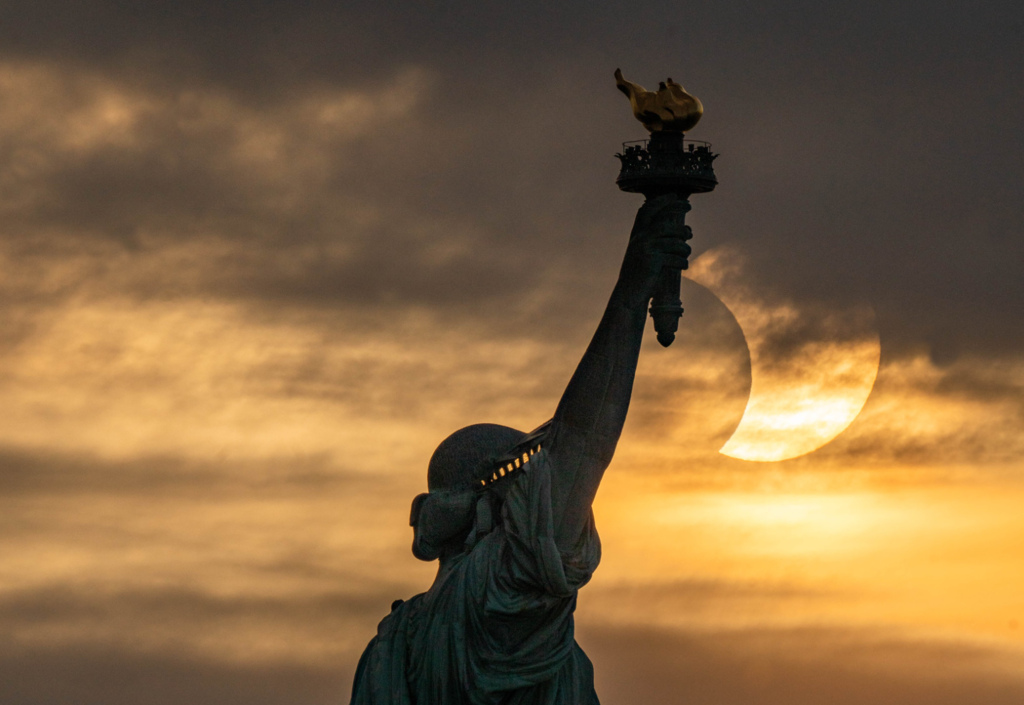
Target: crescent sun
812, 370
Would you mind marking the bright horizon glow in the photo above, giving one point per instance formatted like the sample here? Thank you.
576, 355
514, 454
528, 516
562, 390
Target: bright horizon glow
919, 560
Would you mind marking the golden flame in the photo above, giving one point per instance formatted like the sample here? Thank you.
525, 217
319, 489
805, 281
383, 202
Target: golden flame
669, 109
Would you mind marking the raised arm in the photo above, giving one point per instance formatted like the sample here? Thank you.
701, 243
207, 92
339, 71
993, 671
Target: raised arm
592, 411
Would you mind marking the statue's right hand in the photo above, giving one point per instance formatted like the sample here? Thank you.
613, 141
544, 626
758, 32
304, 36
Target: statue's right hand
658, 240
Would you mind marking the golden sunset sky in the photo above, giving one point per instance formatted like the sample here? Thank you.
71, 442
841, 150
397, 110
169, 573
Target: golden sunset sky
258, 259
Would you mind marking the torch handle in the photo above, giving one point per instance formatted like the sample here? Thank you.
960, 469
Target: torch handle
666, 308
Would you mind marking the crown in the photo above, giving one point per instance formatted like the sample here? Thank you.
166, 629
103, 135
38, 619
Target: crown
518, 456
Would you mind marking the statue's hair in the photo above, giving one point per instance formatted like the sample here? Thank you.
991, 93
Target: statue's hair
466, 456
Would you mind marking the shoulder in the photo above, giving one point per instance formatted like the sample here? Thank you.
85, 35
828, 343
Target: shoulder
401, 613
381, 674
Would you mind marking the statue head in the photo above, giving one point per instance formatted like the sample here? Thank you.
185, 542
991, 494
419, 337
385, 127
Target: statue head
441, 518
469, 454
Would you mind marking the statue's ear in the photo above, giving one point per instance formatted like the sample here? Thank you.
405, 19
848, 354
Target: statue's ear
440, 520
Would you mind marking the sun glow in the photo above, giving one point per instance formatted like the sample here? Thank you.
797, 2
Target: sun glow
793, 525
787, 417
811, 371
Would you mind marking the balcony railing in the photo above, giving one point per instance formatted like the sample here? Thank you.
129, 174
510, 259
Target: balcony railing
688, 168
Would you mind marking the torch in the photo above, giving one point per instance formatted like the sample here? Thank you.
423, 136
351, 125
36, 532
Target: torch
665, 163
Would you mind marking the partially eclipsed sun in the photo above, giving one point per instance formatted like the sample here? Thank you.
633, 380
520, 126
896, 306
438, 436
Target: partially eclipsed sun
811, 371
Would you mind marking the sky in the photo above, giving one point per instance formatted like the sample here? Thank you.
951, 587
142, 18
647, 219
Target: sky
258, 259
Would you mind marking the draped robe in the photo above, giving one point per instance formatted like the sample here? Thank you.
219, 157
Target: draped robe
496, 627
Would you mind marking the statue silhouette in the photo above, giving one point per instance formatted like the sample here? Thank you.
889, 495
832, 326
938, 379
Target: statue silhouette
509, 517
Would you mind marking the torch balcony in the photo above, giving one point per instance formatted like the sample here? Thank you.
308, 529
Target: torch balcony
666, 163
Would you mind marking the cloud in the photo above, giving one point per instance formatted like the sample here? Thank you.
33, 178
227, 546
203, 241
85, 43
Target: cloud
123, 378
53, 473
324, 155
309, 629
962, 415
111, 676
324, 197
792, 667
286, 560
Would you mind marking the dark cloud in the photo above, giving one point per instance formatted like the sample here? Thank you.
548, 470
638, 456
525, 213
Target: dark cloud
356, 600
794, 667
692, 598
868, 153
967, 414
50, 474
973, 443
112, 676
181, 616
790, 667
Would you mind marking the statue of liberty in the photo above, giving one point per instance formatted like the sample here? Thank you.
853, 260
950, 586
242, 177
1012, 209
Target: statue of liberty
508, 516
